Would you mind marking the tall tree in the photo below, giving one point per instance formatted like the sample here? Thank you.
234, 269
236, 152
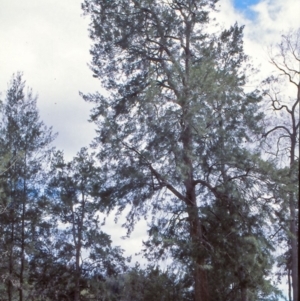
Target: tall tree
80, 243
285, 135
26, 142
171, 132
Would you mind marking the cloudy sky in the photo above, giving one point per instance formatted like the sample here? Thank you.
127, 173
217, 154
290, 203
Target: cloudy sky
48, 41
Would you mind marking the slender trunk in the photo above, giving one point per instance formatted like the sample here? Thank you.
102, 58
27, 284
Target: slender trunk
9, 283
77, 275
289, 284
78, 250
22, 253
77, 256
24, 199
12, 240
293, 228
294, 245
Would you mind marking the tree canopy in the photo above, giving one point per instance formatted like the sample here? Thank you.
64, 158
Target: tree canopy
176, 135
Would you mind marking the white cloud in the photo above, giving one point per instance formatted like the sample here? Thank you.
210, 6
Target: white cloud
131, 245
264, 22
48, 40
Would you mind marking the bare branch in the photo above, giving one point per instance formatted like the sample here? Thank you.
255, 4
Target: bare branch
276, 128
284, 72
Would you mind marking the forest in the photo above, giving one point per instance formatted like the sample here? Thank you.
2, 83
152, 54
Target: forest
184, 140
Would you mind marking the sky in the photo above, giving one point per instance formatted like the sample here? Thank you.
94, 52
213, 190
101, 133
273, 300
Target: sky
48, 41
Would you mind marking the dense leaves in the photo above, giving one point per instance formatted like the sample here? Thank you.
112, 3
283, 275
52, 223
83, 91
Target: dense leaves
25, 141
176, 135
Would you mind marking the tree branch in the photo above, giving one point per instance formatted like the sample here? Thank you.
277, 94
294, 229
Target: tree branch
276, 128
158, 176
168, 185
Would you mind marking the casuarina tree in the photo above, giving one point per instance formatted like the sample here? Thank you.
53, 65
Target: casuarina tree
173, 126
25, 141
80, 244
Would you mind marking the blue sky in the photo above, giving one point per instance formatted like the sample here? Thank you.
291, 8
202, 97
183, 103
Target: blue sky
244, 7
244, 4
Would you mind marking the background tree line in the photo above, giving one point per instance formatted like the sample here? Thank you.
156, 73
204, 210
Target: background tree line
179, 140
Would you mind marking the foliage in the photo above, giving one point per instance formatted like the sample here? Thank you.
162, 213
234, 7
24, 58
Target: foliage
25, 142
149, 284
176, 138
80, 245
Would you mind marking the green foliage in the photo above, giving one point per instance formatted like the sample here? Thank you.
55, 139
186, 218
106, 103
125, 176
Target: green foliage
149, 284
176, 139
81, 249
25, 146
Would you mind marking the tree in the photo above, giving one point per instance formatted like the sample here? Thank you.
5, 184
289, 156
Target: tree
26, 142
172, 132
285, 135
80, 244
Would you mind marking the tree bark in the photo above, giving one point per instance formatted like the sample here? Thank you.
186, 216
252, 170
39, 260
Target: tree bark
22, 245
9, 283
77, 275
22, 253
77, 258
200, 278
294, 246
289, 284
293, 218
244, 295
78, 249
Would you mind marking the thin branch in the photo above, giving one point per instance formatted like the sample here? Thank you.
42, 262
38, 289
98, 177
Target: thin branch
3, 172
276, 128
158, 176
239, 176
168, 185
284, 72
281, 107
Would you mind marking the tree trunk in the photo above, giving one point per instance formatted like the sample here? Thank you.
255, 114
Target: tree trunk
78, 249
294, 245
12, 242
200, 278
24, 200
9, 283
293, 218
22, 253
77, 263
289, 284
244, 295
77, 276
22, 257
